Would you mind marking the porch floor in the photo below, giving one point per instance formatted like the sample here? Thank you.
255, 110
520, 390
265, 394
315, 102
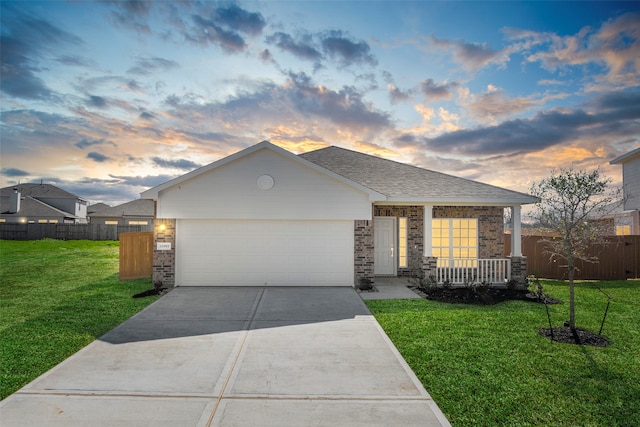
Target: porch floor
390, 288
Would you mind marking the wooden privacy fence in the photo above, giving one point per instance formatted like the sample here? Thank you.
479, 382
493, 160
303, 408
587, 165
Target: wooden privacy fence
136, 255
618, 259
14, 231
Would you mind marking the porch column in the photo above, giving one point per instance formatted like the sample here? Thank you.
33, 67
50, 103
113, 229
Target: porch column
427, 243
516, 232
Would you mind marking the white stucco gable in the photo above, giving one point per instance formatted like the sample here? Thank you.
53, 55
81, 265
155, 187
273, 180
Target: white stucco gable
263, 182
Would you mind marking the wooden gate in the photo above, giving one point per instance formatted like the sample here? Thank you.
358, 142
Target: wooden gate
136, 255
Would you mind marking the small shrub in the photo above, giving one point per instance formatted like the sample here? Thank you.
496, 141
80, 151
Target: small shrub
365, 284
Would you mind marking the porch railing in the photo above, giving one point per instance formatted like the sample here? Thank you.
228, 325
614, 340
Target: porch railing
462, 271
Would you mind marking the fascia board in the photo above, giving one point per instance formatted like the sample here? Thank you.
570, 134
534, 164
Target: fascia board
625, 157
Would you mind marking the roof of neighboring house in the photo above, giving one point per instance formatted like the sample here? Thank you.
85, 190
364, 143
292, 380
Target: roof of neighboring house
30, 207
406, 183
40, 190
139, 207
97, 207
626, 157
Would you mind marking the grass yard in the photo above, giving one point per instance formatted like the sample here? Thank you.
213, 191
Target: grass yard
56, 297
488, 366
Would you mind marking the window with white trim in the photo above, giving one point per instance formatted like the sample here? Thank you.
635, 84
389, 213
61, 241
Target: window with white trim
402, 242
455, 242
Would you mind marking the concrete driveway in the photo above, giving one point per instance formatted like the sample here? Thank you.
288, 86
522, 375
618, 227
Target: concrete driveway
246, 356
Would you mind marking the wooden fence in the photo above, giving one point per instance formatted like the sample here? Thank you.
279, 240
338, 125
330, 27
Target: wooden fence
618, 259
11, 231
136, 255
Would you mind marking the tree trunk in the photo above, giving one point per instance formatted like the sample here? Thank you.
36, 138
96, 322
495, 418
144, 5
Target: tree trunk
572, 310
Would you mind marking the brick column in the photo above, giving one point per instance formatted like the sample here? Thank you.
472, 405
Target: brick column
519, 269
363, 250
429, 266
164, 261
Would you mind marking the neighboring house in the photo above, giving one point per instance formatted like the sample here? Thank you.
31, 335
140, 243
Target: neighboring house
96, 207
627, 217
41, 203
265, 216
136, 212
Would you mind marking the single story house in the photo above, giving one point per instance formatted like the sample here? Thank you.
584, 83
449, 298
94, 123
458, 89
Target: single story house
265, 216
135, 212
41, 203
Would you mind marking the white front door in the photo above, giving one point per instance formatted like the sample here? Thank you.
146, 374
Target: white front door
384, 244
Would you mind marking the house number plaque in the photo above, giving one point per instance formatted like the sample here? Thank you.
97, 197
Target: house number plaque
164, 246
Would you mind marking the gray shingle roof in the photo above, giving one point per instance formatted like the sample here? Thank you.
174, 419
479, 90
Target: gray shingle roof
39, 190
401, 182
139, 207
30, 207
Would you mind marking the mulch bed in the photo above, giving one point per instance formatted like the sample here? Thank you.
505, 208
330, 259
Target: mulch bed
574, 336
482, 297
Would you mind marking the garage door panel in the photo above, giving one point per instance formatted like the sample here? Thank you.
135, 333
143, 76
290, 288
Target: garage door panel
255, 253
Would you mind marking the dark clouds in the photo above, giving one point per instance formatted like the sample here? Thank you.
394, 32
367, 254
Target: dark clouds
346, 51
335, 45
471, 56
300, 97
434, 91
223, 26
183, 164
96, 101
545, 129
97, 157
302, 49
86, 143
24, 38
14, 172
345, 107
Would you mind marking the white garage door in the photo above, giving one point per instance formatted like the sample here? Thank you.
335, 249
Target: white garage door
259, 253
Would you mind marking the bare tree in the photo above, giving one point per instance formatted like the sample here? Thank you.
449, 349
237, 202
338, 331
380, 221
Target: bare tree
571, 202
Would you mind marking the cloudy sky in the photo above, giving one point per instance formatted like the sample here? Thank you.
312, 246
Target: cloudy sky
106, 99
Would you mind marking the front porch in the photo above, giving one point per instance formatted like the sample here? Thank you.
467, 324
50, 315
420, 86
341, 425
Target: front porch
454, 245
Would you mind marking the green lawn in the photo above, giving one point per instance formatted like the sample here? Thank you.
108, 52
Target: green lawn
57, 297
488, 366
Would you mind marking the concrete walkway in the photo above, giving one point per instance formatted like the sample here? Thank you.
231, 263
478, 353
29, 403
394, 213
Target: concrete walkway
390, 288
233, 357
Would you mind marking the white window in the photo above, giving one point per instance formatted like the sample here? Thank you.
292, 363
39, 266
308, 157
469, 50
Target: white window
138, 222
455, 242
111, 222
402, 242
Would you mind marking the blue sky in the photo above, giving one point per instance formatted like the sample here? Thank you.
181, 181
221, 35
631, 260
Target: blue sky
106, 99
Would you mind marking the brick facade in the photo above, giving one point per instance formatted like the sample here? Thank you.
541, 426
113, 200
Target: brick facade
519, 269
164, 262
363, 250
